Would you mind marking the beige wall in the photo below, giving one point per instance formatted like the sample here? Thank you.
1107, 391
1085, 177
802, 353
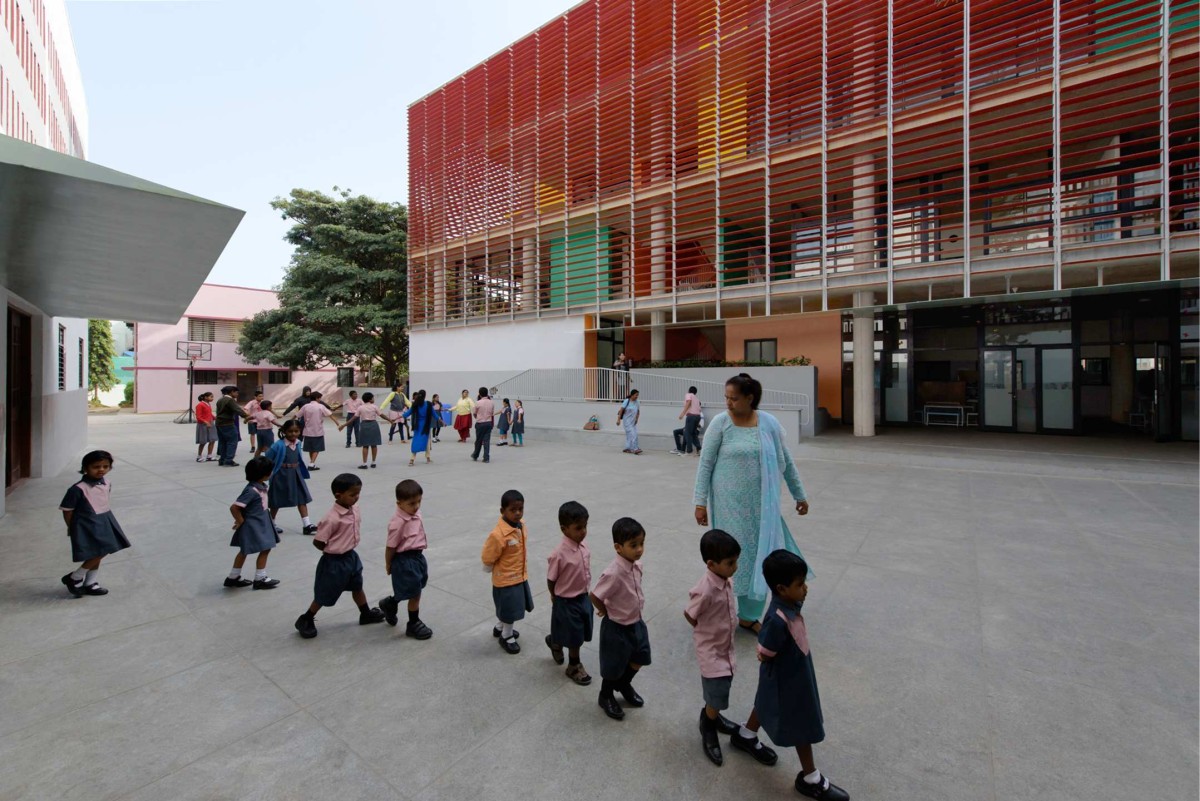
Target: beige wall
817, 336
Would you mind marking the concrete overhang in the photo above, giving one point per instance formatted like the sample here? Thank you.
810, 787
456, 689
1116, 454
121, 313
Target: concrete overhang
81, 240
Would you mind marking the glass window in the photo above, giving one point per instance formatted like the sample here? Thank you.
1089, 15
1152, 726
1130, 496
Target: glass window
345, 377
62, 358
761, 350
205, 376
82, 372
280, 377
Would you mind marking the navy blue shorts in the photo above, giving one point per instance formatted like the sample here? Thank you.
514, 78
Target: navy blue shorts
620, 645
337, 573
512, 602
571, 621
266, 437
252, 428
410, 573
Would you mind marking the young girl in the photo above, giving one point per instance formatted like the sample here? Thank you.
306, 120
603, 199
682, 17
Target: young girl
787, 704
288, 474
252, 408
369, 436
421, 413
206, 427
313, 416
253, 531
518, 425
505, 422
94, 531
437, 416
265, 418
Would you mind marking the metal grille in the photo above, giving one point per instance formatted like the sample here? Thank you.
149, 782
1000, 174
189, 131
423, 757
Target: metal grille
201, 330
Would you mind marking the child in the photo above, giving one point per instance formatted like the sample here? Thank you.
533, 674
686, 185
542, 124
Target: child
505, 558
313, 415
624, 640
206, 428
252, 408
339, 569
94, 531
569, 575
787, 701
264, 419
437, 416
288, 474
253, 531
712, 613
505, 422
518, 426
404, 558
351, 406
366, 417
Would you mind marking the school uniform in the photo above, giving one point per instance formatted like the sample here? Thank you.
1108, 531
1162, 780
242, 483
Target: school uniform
505, 557
624, 637
410, 571
252, 408
351, 408
287, 487
257, 531
569, 567
313, 416
228, 433
518, 425
787, 702
94, 530
339, 569
264, 419
206, 430
505, 420
369, 434
712, 605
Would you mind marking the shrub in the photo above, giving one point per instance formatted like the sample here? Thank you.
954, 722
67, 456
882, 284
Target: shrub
128, 394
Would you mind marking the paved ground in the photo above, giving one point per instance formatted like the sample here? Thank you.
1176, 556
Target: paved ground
993, 617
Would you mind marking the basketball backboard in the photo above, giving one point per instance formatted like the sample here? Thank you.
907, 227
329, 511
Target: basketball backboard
193, 351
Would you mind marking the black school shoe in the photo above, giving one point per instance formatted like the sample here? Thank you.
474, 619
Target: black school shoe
754, 747
726, 726
390, 607
555, 650
510, 645
516, 635
370, 616
72, 587
266, 584
309, 530
237, 582
418, 630
709, 741
306, 626
610, 706
630, 695
824, 789
94, 589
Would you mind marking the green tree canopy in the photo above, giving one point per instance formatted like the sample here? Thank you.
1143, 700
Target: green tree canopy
344, 296
102, 375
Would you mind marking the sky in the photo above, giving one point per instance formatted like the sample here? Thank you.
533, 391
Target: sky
240, 101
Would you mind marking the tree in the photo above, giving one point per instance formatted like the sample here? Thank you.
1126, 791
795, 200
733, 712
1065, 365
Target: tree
102, 376
344, 296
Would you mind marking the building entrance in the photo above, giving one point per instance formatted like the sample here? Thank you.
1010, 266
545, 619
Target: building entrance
1029, 389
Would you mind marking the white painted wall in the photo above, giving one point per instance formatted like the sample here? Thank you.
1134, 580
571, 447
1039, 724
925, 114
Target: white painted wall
556, 342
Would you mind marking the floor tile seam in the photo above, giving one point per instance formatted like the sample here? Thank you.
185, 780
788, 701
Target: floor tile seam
370, 765
105, 635
1143, 502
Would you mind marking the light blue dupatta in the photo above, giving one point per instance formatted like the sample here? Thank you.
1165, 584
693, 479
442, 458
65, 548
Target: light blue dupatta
773, 534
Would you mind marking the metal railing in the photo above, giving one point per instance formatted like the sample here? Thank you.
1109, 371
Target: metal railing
604, 384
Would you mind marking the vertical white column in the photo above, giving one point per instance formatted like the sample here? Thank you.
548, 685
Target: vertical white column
864, 364
658, 250
658, 336
863, 192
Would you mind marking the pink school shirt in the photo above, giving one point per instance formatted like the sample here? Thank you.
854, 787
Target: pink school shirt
693, 404
368, 412
313, 414
570, 568
340, 528
711, 605
252, 407
485, 410
796, 628
620, 590
263, 418
406, 532
351, 406
97, 495
261, 489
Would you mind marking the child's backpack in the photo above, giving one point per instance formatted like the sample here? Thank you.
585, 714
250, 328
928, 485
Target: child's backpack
593, 424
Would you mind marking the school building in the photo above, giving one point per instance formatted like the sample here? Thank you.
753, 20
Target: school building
213, 321
76, 241
978, 213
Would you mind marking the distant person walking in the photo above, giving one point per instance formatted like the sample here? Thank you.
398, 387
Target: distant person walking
464, 408
627, 415
227, 413
622, 364
485, 413
688, 437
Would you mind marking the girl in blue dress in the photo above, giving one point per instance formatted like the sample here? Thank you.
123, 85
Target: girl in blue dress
421, 412
253, 530
288, 476
787, 704
94, 531
505, 421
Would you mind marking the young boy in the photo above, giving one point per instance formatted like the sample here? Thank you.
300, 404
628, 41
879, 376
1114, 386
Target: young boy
787, 700
404, 558
339, 569
504, 556
252, 408
350, 408
624, 640
569, 575
712, 613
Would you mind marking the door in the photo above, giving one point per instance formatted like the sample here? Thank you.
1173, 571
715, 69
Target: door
18, 399
998, 388
1164, 409
1025, 390
1058, 389
895, 392
247, 383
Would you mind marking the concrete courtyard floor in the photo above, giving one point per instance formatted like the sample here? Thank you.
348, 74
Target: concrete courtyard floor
992, 617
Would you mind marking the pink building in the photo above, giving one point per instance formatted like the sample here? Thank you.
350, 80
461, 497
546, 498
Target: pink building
216, 316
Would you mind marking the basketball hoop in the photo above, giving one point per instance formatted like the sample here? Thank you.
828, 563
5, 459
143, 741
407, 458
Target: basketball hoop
191, 352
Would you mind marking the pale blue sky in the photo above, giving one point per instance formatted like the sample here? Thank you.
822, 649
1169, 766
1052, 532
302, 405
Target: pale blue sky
242, 100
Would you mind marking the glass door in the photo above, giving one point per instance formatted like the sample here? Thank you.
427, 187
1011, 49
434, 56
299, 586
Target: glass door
1025, 391
1058, 389
1164, 412
998, 387
895, 393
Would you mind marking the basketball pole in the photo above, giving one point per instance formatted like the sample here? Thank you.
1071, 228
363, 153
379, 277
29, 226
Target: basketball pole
191, 388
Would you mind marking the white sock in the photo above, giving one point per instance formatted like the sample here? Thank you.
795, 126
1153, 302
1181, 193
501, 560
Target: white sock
77, 575
236, 573
306, 521
747, 734
260, 575
90, 578
813, 778
506, 630
364, 464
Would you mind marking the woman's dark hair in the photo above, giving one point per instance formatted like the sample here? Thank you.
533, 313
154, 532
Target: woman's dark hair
306, 390
368, 397
202, 396
626, 529
572, 512
781, 568
287, 426
632, 392
418, 402
747, 386
717, 546
396, 387
228, 389
692, 390
482, 393
343, 482
408, 489
258, 468
266, 404
506, 403
510, 497
91, 457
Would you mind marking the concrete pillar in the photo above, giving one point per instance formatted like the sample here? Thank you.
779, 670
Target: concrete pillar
658, 336
658, 250
864, 365
529, 269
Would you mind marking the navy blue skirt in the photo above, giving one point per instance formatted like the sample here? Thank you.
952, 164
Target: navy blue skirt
410, 573
571, 621
287, 488
256, 533
620, 645
314, 444
369, 434
512, 602
337, 573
